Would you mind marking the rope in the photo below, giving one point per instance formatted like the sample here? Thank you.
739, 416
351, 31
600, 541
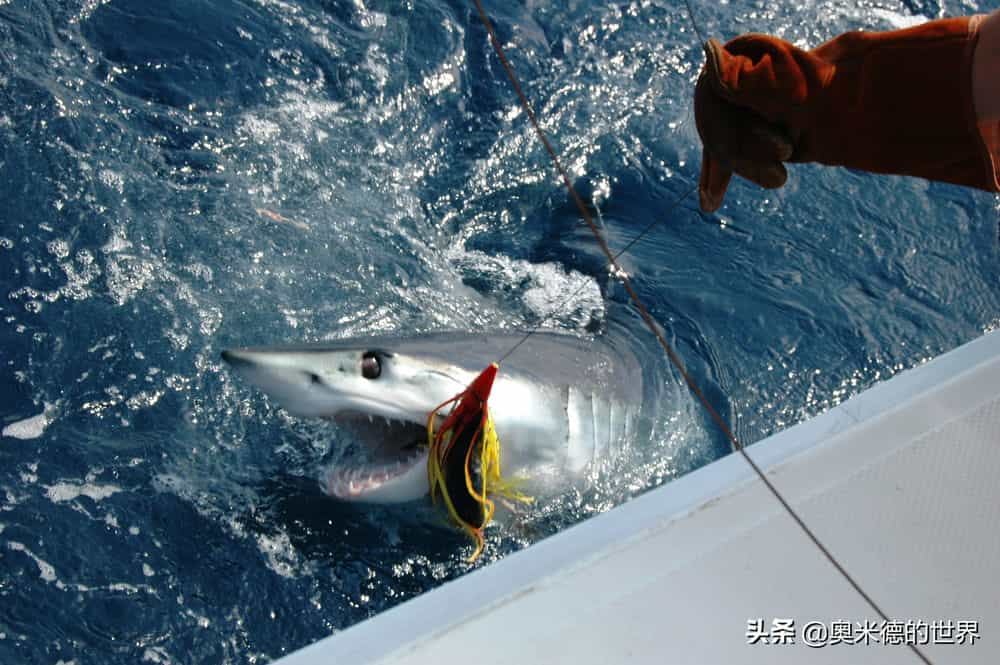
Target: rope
655, 329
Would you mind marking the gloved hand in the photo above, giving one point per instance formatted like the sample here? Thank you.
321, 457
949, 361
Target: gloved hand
889, 102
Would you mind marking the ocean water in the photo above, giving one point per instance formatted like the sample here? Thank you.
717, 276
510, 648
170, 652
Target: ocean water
181, 177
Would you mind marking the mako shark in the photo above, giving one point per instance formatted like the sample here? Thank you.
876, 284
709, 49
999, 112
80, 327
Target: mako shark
560, 403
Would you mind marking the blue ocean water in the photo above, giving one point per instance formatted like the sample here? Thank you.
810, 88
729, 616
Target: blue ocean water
186, 176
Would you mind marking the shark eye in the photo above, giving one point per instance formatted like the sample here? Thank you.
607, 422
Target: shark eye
371, 367
315, 379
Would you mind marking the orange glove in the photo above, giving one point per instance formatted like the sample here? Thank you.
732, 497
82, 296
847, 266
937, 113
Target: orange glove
889, 102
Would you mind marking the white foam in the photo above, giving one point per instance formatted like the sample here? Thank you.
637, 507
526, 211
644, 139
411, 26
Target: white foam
368, 18
33, 427
58, 248
281, 555
127, 276
126, 588
61, 492
156, 655
112, 180
548, 290
260, 130
45, 569
897, 20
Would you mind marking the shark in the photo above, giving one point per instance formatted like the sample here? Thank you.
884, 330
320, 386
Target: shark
560, 403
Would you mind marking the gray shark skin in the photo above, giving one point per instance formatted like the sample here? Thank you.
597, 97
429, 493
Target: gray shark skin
559, 402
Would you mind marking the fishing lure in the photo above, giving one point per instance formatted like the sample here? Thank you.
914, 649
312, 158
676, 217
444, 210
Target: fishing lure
463, 463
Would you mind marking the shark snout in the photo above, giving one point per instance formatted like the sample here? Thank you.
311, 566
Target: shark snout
285, 378
238, 359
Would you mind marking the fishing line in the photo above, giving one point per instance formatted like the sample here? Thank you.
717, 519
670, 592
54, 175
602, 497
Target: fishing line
694, 24
612, 262
654, 327
611, 266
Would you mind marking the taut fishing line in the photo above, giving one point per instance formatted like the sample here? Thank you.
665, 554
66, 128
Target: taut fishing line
612, 266
651, 323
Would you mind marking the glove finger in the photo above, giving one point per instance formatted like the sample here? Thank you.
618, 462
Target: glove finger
730, 130
769, 175
763, 142
713, 182
749, 147
740, 133
759, 72
736, 126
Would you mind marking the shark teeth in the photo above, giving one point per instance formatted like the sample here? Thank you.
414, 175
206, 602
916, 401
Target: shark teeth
357, 419
391, 447
353, 482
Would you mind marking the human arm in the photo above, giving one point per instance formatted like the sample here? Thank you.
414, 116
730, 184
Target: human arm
902, 102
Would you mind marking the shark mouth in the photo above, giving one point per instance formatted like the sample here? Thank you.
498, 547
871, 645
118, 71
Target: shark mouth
392, 466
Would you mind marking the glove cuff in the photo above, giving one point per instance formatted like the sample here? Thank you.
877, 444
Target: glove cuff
985, 106
901, 102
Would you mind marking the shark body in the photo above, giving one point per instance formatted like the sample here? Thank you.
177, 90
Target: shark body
560, 403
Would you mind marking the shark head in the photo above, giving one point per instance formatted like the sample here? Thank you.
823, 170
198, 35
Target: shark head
381, 396
557, 403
